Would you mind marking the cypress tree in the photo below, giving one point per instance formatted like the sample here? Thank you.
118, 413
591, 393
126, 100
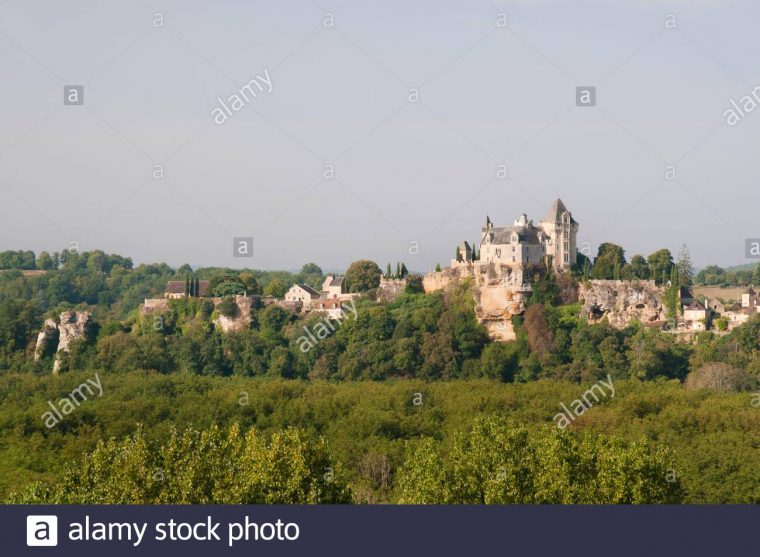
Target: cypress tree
685, 267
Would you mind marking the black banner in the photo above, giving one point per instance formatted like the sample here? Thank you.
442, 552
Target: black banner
379, 530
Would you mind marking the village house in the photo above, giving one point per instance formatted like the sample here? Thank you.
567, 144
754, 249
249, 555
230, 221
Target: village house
716, 305
695, 315
176, 289
333, 286
333, 308
301, 293
751, 299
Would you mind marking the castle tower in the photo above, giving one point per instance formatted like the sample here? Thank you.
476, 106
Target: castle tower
562, 230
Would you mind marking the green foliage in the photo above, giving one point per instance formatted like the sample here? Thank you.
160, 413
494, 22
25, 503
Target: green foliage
227, 307
546, 291
742, 275
226, 285
275, 288
363, 275
200, 467
685, 268
660, 265
414, 285
496, 463
17, 260
638, 269
609, 261
713, 436
500, 361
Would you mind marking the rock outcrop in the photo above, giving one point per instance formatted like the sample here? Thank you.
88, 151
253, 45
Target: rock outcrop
57, 337
622, 302
242, 318
47, 339
500, 292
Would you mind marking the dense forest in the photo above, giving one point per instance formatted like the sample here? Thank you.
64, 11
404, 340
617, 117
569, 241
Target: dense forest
409, 402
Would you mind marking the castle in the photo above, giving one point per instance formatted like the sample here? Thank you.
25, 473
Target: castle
552, 242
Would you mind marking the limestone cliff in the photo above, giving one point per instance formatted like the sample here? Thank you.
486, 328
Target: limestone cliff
47, 339
73, 325
500, 293
622, 302
242, 318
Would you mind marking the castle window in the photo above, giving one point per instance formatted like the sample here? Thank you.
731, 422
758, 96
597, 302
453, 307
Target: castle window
567, 258
567, 246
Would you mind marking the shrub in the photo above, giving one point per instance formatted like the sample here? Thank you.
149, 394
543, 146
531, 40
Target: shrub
227, 307
720, 377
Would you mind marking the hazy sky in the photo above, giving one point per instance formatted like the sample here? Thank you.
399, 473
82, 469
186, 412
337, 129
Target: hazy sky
404, 171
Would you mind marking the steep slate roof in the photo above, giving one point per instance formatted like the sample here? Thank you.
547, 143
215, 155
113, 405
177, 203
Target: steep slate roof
308, 289
555, 213
503, 235
178, 287
695, 305
337, 281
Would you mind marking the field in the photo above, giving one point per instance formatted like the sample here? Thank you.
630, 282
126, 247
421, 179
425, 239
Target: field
731, 293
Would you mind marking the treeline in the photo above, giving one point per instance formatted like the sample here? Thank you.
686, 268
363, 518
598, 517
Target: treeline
610, 264
107, 285
428, 336
378, 437
432, 337
713, 275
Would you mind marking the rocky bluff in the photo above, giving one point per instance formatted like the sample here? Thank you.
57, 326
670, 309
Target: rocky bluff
622, 302
57, 336
500, 292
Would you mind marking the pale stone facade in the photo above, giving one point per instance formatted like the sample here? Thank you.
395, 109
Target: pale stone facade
333, 286
301, 293
524, 243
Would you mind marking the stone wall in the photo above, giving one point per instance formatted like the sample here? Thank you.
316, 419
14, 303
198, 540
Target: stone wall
390, 289
155, 305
